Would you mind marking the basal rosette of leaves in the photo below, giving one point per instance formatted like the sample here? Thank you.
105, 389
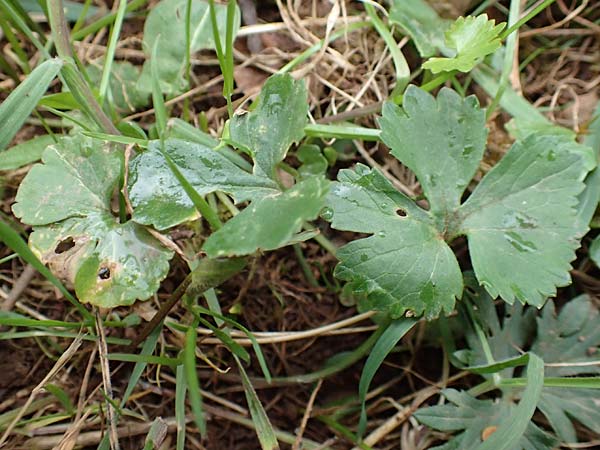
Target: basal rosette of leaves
520, 220
67, 199
568, 341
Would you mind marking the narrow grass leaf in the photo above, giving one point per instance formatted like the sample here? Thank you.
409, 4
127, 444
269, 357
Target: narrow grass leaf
189, 364
255, 345
180, 394
264, 429
510, 431
160, 110
227, 341
140, 365
23, 100
384, 345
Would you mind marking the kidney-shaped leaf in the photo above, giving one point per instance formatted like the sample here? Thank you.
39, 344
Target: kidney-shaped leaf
159, 199
405, 265
68, 200
108, 263
521, 219
78, 177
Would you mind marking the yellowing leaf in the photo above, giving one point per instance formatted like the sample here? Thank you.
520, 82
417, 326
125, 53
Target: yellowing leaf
67, 199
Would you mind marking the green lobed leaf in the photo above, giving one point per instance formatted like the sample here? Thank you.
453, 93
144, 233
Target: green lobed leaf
422, 24
270, 222
572, 336
167, 21
278, 121
23, 100
405, 265
313, 161
505, 335
521, 219
25, 153
571, 339
471, 38
77, 178
68, 200
472, 416
570, 343
441, 140
159, 199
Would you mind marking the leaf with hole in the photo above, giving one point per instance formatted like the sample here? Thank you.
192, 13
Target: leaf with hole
68, 200
167, 24
519, 221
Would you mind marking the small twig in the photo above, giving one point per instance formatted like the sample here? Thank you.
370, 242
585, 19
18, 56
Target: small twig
162, 312
18, 287
36, 390
106, 381
306, 416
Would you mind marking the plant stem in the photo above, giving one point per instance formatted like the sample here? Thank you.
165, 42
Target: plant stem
71, 75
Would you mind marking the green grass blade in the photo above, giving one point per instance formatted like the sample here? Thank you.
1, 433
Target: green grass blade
559, 382
12, 239
119, 139
110, 50
180, 393
17, 20
400, 64
160, 110
255, 345
189, 364
384, 345
314, 49
106, 21
511, 430
140, 366
510, 48
264, 429
342, 132
199, 202
227, 341
23, 100
144, 359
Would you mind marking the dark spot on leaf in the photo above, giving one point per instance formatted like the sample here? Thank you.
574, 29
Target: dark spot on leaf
104, 273
400, 212
64, 246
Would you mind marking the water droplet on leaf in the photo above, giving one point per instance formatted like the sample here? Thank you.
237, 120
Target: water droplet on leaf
327, 213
